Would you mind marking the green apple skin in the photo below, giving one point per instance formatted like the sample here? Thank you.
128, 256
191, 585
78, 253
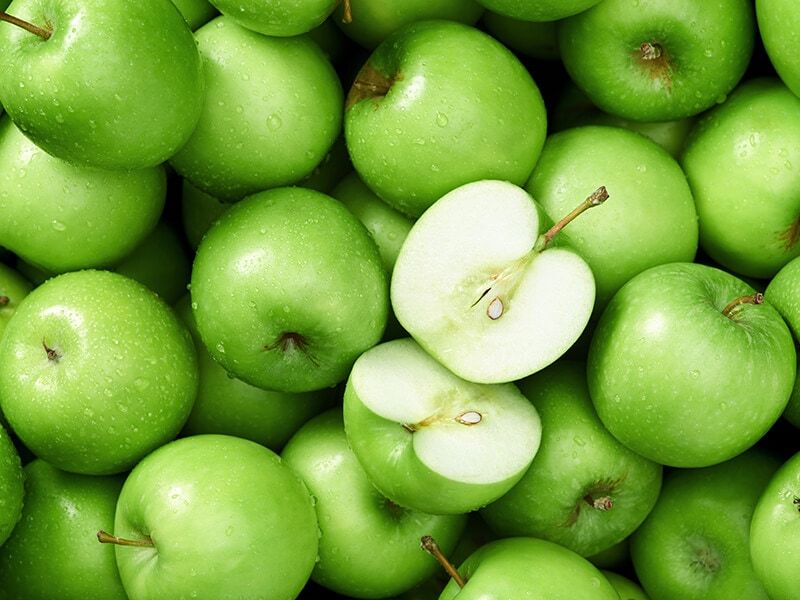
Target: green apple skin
779, 28
118, 85
227, 405
288, 288
368, 546
199, 210
227, 519
673, 378
272, 111
196, 12
97, 371
64, 217
53, 552
520, 567
12, 481
649, 219
281, 18
419, 455
387, 226
579, 462
680, 552
700, 53
549, 11
14, 286
783, 292
748, 144
374, 20
418, 124
627, 588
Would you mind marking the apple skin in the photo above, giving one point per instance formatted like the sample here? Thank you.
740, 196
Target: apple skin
704, 50
272, 111
627, 588
578, 461
679, 552
288, 288
779, 28
519, 567
650, 218
53, 552
748, 145
418, 123
118, 85
551, 10
12, 490
121, 379
63, 217
368, 546
282, 18
196, 12
673, 378
13, 288
227, 517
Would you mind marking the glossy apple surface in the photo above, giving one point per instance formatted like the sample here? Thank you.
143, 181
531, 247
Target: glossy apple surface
779, 28
281, 18
12, 489
13, 288
551, 10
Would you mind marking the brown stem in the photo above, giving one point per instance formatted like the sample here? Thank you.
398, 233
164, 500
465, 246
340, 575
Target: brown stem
35, 29
52, 353
4, 301
597, 197
430, 546
107, 538
347, 12
757, 298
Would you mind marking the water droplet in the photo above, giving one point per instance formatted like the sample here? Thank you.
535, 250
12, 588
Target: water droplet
441, 119
694, 373
57, 225
274, 122
229, 530
579, 440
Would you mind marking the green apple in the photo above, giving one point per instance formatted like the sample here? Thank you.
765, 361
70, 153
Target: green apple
652, 219
480, 286
519, 567
584, 489
53, 552
658, 60
369, 22
62, 217
272, 111
627, 588
539, 11
779, 28
418, 123
431, 441
96, 372
199, 210
288, 289
695, 543
13, 288
677, 358
196, 12
535, 39
12, 491
740, 160
773, 532
225, 404
368, 546
107, 83
217, 517
282, 18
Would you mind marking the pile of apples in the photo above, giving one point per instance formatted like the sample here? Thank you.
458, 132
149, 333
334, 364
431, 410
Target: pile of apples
419, 299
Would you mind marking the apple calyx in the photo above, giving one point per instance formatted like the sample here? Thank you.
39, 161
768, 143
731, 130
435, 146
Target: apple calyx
796, 502
655, 63
601, 503
734, 307
706, 561
42, 32
4, 301
52, 354
503, 284
370, 83
430, 546
291, 340
107, 538
469, 418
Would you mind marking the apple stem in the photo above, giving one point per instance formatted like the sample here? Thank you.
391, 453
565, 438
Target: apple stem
35, 29
601, 503
430, 546
52, 353
596, 198
730, 310
347, 12
4, 300
107, 538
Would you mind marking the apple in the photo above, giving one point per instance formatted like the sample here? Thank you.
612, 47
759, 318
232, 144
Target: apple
106, 83
677, 358
431, 441
517, 567
12, 490
288, 289
584, 489
53, 552
480, 286
97, 371
368, 546
213, 516
199, 210
779, 29
417, 123
652, 219
13, 288
196, 12
540, 11
680, 552
279, 17
62, 217
272, 111
658, 60
534, 39
627, 588
749, 146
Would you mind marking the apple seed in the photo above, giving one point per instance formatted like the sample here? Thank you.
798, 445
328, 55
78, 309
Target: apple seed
471, 417
495, 309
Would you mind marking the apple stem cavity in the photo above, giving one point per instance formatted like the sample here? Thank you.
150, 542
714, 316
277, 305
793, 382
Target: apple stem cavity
651, 51
42, 32
734, 306
368, 84
107, 538
430, 546
290, 340
52, 353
